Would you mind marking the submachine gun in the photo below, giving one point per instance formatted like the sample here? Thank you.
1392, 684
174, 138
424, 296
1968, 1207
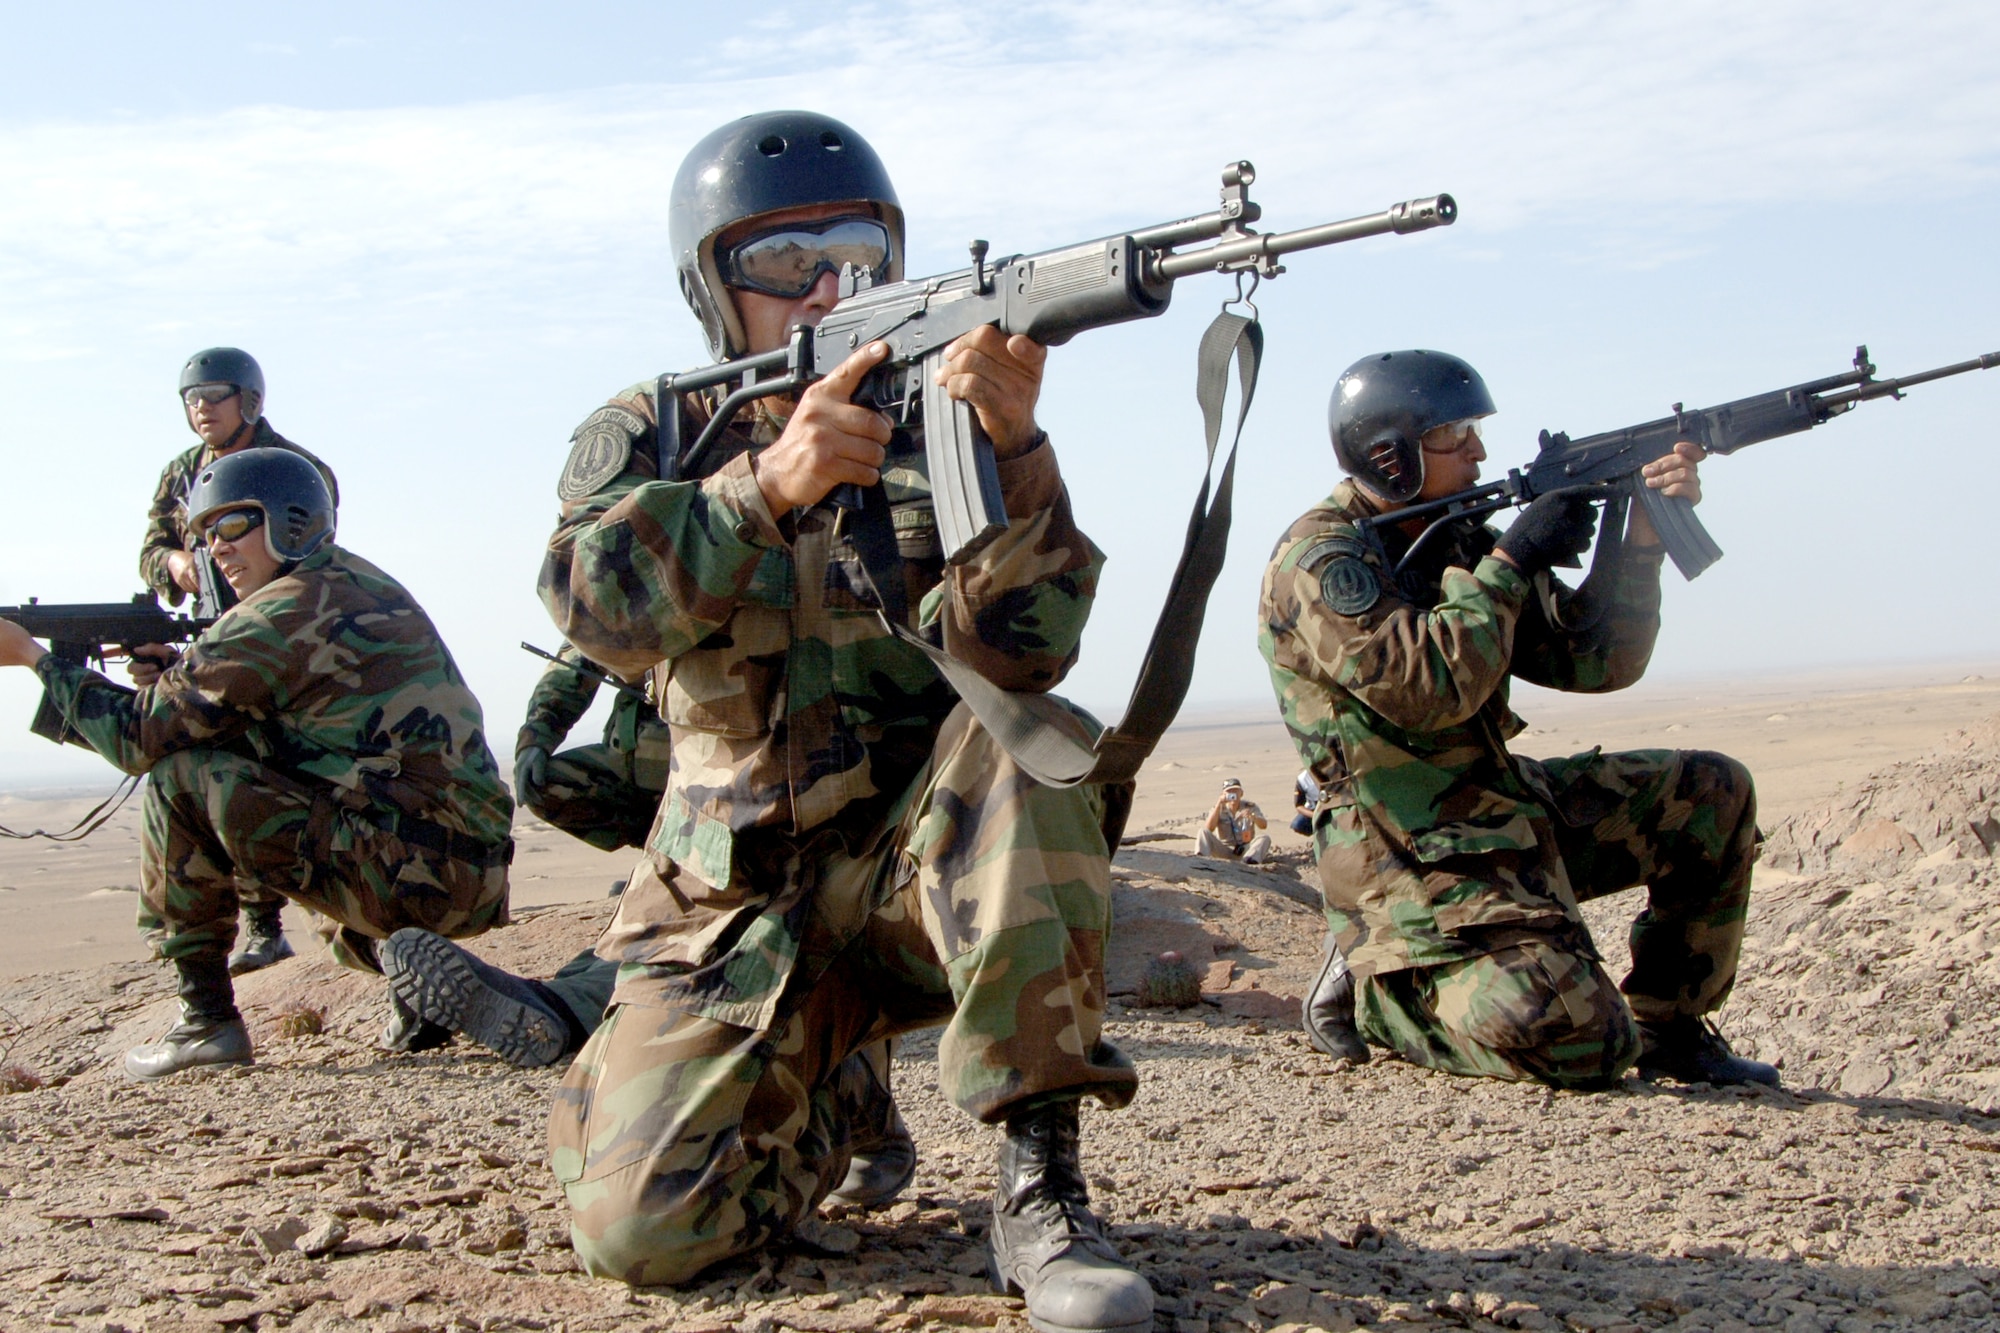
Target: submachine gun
1607, 465
82, 632
1051, 297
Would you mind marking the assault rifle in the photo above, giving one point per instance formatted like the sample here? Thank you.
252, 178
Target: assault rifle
81, 632
1051, 297
213, 594
588, 670
1607, 465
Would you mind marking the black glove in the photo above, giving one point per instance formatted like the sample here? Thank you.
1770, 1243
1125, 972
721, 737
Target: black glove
531, 770
1554, 530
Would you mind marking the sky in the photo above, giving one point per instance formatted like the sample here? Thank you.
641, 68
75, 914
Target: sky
441, 229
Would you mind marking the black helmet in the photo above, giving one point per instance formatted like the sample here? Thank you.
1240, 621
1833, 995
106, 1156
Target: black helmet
760, 164
1383, 404
298, 511
228, 365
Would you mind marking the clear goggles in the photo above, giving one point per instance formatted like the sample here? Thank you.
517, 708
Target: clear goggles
208, 393
1453, 436
789, 261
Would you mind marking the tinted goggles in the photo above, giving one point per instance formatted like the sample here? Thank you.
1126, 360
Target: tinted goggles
233, 526
789, 261
209, 393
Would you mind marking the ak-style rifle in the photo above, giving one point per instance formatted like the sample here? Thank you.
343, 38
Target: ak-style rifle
1051, 297
1608, 464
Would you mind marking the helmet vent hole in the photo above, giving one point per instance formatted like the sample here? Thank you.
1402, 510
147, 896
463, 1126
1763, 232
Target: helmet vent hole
771, 145
830, 141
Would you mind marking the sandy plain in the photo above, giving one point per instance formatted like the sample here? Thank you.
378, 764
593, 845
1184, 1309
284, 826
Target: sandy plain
67, 905
1261, 1187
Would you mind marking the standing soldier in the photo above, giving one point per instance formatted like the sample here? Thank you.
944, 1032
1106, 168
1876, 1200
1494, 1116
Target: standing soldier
844, 853
1452, 868
316, 741
222, 393
605, 794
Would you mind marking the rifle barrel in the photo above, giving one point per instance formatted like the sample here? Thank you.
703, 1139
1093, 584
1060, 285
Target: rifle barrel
1440, 210
1893, 388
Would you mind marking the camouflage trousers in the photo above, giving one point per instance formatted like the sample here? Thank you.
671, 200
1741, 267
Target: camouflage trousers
214, 823
1540, 1005
600, 795
682, 1140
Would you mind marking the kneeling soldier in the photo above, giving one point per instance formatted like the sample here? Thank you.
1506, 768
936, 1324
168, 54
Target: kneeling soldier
317, 741
222, 396
844, 852
1452, 868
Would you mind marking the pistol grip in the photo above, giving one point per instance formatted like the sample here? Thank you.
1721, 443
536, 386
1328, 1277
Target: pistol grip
965, 478
1686, 540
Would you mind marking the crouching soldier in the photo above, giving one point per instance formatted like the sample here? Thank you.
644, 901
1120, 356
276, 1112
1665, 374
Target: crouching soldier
1452, 868
317, 741
222, 398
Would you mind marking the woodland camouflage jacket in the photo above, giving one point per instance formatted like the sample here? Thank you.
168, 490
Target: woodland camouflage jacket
167, 528
795, 714
1432, 837
331, 673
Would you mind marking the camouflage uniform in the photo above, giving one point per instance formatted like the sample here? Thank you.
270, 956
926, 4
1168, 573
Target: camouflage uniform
605, 794
318, 741
1452, 869
167, 528
843, 852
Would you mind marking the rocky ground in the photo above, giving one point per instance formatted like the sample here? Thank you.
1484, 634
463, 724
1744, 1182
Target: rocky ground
1257, 1184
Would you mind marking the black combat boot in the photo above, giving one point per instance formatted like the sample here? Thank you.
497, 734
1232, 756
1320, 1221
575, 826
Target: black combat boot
1691, 1050
409, 1032
1047, 1246
1328, 1012
884, 1157
210, 1032
513, 1017
260, 939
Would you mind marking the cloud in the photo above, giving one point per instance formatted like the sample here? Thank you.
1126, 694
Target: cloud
1640, 126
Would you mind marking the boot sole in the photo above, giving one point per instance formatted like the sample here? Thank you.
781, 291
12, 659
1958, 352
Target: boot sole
432, 977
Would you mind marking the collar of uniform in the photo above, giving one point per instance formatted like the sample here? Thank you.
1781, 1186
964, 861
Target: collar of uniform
261, 437
1352, 499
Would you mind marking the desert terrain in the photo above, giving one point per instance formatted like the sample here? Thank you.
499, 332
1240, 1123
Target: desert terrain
1259, 1185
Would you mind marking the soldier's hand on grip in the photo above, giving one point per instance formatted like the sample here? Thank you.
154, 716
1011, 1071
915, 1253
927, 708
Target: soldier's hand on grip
180, 568
531, 770
829, 441
148, 661
1001, 377
1554, 530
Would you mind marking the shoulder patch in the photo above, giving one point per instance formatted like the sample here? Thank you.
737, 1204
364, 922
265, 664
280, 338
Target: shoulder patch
599, 451
1327, 547
1348, 586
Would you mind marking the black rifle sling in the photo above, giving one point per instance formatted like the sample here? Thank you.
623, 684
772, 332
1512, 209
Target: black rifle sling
99, 815
1049, 740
